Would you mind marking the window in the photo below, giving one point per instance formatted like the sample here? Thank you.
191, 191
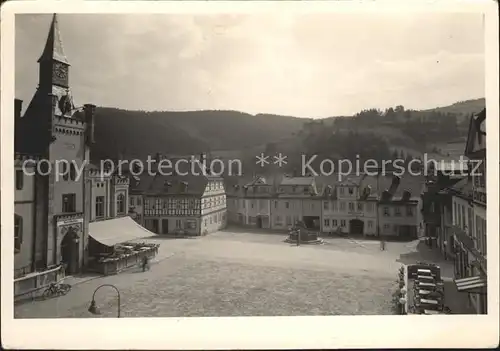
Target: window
463, 217
455, 214
327, 222
334, 206
275, 204
409, 211
325, 205
351, 206
132, 201
68, 203
341, 190
120, 204
360, 206
190, 224
18, 233
72, 171
19, 180
251, 203
397, 211
386, 212
99, 206
334, 222
386, 226
206, 222
210, 219
470, 227
370, 224
369, 207
178, 224
351, 190
288, 220
312, 205
287, 205
139, 201
342, 206
342, 223
65, 171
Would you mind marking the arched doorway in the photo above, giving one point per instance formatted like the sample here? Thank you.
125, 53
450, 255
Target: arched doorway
69, 251
259, 222
356, 226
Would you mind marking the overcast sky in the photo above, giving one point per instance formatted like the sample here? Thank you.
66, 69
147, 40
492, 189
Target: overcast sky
317, 65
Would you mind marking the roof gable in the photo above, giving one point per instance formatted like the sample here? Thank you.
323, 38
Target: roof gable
476, 137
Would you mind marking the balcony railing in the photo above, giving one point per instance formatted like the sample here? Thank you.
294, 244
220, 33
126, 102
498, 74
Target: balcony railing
479, 195
470, 244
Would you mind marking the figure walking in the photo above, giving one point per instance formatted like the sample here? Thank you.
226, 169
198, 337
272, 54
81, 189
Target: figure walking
382, 244
145, 263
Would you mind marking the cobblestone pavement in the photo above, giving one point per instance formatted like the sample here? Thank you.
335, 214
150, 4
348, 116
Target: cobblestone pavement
242, 274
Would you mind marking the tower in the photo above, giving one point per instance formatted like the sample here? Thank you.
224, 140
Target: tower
60, 133
54, 65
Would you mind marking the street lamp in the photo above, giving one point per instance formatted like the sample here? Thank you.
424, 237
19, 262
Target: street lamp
93, 306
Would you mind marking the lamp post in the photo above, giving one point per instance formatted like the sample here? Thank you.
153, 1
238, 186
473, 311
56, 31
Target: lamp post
93, 307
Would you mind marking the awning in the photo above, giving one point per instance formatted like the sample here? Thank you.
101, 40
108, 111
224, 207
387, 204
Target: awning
471, 284
117, 230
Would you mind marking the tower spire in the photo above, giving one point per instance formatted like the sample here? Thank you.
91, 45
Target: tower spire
53, 47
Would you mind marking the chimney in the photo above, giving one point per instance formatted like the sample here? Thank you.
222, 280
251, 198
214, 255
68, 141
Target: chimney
386, 195
18, 106
89, 111
158, 157
394, 185
406, 195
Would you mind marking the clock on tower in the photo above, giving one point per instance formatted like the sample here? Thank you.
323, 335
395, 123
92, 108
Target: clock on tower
60, 74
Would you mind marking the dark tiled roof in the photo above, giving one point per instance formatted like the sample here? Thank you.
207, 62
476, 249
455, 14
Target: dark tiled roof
413, 184
169, 185
297, 181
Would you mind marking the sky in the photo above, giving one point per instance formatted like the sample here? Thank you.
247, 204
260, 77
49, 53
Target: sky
304, 65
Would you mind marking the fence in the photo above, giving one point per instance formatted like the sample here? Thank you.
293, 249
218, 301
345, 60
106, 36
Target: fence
31, 284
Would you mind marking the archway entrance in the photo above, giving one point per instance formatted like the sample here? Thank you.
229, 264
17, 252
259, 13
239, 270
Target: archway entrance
259, 222
70, 252
356, 226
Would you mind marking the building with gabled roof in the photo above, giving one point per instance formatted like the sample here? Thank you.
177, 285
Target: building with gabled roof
175, 204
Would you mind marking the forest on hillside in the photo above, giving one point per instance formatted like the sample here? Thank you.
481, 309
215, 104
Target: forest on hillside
369, 134
373, 134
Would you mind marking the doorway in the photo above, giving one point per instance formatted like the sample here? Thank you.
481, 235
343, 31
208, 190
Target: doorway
356, 227
155, 226
164, 226
69, 251
259, 222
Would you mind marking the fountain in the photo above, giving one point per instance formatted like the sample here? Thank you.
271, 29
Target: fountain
299, 231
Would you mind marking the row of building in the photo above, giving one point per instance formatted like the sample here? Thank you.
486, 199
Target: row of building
455, 217
372, 205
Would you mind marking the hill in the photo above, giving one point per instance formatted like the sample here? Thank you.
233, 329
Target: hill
467, 107
137, 134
